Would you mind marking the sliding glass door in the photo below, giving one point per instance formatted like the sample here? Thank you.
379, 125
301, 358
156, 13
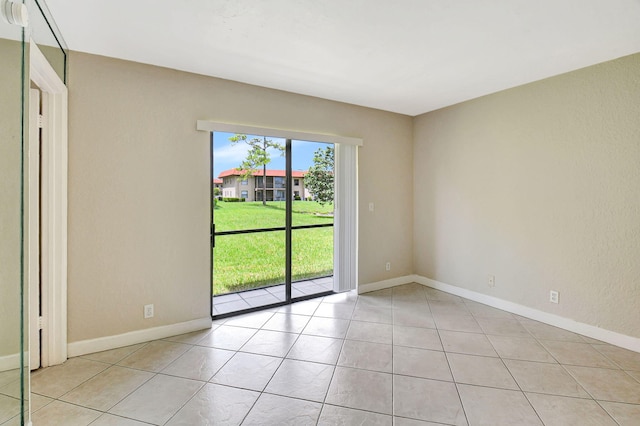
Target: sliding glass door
272, 221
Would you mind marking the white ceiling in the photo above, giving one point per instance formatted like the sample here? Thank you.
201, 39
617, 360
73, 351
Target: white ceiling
406, 56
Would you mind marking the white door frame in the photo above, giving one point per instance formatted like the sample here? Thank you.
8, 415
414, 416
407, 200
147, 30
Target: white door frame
346, 192
53, 209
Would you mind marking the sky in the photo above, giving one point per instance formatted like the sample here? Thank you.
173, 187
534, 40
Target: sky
227, 156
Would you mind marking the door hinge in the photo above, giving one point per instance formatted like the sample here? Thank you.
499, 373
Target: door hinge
40, 323
40, 121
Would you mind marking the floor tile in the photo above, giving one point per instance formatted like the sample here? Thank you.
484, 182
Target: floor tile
497, 407
624, 414
225, 298
225, 308
373, 314
286, 322
467, 343
301, 379
448, 308
428, 400
248, 371
366, 355
503, 327
154, 356
548, 332
308, 307
346, 390
379, 298
191, 338
39, 401
252, 320
105, 390
481, 371
545, 378
433, 294
56, 381
478, 310
216, 405
199, 363
457, 323
347, 297
373, 359
634, 374
327, 327
227, 337
316, 349
527, 349
334, 310
60, 413
9, 376
565, 411
253, 293
607, 385
112, 420
421, 363
403, 421
416, 337
410, 318
573, 353
266, 342
9, 407
157, 400
625, 359
340, 416
115, 355
370, 332
283, 411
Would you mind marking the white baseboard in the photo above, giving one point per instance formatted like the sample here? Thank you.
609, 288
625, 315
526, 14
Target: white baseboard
100, 344
11, 362
612, 337
381, 285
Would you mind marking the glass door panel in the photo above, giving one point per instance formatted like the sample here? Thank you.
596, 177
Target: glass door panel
249, 238
312, 217
269, 228
248, 271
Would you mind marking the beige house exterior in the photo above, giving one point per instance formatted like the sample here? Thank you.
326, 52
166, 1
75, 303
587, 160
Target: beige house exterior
252, 188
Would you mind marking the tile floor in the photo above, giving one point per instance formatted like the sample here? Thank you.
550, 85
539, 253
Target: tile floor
406, 356
233, 302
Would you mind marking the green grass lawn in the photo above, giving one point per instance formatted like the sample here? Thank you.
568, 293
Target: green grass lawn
247, 261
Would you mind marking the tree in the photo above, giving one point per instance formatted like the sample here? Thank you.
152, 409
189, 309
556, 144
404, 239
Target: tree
319, 178
257, 156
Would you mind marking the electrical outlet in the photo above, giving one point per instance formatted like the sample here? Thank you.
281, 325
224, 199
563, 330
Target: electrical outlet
148, 311
388, 266
491, 280
554, 296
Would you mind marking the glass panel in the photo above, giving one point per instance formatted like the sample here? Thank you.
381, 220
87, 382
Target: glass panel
312, 248
13, 378
248, 268
251, 264
311, 261
232, 155
41, 30
312, 164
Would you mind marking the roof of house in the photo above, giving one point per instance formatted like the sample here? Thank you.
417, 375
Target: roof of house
274, 173
216, 180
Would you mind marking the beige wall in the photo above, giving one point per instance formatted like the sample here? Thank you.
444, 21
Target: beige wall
139, 187
540, 186
10, 147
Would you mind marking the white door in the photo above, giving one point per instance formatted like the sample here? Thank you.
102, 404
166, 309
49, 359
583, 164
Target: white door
33, 226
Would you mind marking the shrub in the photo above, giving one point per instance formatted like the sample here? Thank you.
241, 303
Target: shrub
232, 199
